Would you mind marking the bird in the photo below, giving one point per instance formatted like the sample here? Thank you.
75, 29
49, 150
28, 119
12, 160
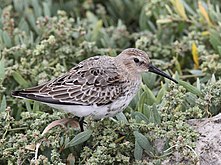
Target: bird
100, 86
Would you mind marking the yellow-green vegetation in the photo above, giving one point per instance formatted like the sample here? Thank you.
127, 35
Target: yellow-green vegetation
40, 40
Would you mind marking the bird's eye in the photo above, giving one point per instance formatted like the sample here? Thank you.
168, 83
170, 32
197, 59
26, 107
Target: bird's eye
136, 60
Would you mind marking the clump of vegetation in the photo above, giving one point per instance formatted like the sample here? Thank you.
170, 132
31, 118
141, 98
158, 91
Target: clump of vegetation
41, 40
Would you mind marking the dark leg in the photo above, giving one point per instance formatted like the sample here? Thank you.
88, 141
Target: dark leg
81, 123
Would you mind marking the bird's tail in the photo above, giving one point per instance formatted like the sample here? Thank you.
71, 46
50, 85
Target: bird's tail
21, 93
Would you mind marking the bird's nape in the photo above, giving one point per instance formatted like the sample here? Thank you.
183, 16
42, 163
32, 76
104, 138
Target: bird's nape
155, 70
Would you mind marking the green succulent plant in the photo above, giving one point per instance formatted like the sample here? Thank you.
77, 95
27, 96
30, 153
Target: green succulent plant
40, 40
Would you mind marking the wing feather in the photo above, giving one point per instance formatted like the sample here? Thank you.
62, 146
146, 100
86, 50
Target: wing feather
90, 82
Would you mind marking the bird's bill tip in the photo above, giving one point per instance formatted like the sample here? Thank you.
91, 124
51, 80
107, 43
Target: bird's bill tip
155, 70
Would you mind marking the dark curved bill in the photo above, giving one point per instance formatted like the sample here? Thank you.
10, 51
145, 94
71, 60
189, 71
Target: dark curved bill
154, 69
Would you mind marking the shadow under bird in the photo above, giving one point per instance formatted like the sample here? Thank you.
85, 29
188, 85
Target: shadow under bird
100, 86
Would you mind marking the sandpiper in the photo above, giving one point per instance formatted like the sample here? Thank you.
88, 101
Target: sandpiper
100, 86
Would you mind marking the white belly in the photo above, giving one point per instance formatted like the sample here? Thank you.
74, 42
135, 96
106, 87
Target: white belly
97, 112
78, 110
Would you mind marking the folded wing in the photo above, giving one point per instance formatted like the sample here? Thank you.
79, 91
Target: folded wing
93, 81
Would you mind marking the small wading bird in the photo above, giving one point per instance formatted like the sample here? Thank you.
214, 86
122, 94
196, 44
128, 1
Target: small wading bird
99, 86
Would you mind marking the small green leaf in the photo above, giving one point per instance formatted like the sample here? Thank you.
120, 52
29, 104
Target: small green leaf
177, 65
79, 138
3, 104
31, 19
150, 98
46, 8
215, 40
138, 151
146, 110
160, 94
121, 117
143, 19
198, 86
18, 5
151, 118
36, 106
214, 109
188, 8
190, 98
17, 114
157, 117
190, 88
144, 143
23, 25
2, 70
28, 106
37, 8
140, 117
96, 30
6, 39
149, 79
141, 102
20, 79
219, 49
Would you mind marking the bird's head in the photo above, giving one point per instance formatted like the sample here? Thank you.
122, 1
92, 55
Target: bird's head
138, 61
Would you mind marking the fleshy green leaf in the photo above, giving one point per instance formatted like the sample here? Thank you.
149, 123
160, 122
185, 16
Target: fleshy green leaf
18, 5
149, 79
46, 9
36, 106
31, 19
6, 39
139, 117
160, 94
151, 118
28, 106
121, 117
20, 79
146, 110
23, 25
190, 98
190, 88
144, 143
177, 65
2, 70
157, 117
150, 98
141, 102
96, 30
79, 138
36, 7
138, 151
3, 104
219, 49
198, 84
215, 40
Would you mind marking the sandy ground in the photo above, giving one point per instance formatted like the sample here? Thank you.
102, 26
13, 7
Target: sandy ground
208, 145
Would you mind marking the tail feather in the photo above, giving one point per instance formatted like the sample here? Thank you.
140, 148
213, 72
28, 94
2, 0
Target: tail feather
32, 96
28, 95
20, 93
16, 93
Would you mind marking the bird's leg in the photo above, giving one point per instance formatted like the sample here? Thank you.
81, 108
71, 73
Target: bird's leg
81, 123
